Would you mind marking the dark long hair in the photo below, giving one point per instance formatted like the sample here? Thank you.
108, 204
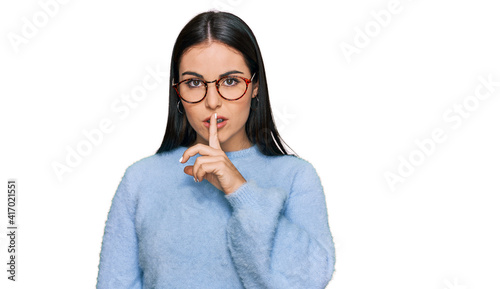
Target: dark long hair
231, 30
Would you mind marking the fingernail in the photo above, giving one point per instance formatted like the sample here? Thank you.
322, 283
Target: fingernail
180, 160
215, 116
195, 180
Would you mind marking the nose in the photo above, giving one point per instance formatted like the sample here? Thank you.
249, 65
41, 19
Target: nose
213, 99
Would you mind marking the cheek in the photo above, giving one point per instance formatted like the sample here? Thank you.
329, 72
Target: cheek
192, 115
241, 112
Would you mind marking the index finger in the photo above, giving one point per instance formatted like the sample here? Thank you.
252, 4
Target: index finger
213, 138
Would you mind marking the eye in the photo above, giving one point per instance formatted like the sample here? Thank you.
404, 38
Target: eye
194, 83
230, 81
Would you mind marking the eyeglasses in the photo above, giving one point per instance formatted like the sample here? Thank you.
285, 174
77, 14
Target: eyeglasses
194, 90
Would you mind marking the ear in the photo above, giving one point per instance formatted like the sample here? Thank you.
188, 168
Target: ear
255, 89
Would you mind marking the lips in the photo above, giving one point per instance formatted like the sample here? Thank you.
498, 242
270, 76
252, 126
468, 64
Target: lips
220, 118
221, 122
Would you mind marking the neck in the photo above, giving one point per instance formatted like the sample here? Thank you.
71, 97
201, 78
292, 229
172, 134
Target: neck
236, 147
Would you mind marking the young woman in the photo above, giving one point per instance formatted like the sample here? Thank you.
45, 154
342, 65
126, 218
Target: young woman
221, 204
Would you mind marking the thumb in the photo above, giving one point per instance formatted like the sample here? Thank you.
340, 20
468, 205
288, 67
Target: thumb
188, 170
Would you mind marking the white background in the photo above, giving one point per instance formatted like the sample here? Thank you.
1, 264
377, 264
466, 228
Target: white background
353, 120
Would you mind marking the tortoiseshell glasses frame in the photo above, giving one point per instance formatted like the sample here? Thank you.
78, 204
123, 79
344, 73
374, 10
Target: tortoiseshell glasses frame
217, 86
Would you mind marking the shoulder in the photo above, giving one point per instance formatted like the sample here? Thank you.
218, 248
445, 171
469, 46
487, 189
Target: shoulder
153, 165
291, 162
291, 166
293, 174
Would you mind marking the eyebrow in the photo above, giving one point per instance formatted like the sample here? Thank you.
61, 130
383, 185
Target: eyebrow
221, 75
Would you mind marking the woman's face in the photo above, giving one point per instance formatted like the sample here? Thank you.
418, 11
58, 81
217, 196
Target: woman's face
210, 61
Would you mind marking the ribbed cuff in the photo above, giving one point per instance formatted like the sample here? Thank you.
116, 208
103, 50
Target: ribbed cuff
245, 194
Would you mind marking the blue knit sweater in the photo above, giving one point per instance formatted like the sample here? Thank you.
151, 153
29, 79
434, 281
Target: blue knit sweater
166, 231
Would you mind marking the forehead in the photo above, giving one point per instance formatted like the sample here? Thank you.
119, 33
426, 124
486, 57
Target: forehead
212, 59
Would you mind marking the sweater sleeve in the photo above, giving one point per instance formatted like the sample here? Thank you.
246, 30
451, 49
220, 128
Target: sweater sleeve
119, 259
281, 239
